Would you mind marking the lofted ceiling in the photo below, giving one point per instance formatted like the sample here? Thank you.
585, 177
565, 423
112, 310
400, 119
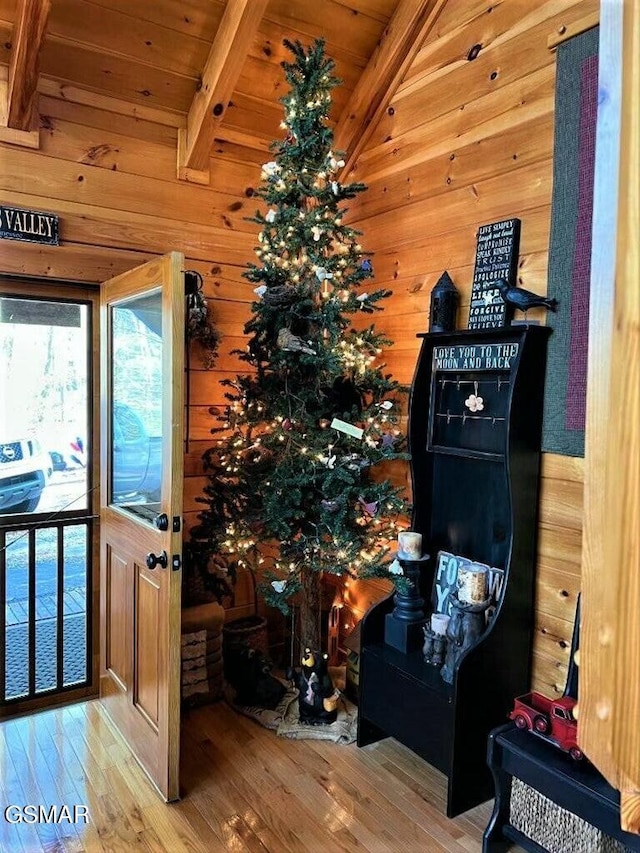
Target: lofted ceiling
211, 68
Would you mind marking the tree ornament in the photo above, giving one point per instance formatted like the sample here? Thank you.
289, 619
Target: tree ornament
329, 461
280, 296
292, 343
284, 489
270, 170
388, 439
370, 507
322, 274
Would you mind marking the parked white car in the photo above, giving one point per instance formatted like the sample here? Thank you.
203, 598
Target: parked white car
24, 472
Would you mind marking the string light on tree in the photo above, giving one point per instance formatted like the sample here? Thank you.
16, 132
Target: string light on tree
286, 485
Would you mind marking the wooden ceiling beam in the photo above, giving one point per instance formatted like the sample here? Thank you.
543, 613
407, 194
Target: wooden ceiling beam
405, 34
222, 69
26, 41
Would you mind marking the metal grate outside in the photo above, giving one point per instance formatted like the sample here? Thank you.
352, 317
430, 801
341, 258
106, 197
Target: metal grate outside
45, 624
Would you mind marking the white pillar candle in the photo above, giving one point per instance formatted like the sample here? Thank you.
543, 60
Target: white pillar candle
409, 545
439, 622
472, 584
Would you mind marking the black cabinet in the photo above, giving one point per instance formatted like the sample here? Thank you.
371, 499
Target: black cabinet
475, 473
575, 787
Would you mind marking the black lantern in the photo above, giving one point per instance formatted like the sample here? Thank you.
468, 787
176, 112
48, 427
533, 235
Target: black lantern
444, 304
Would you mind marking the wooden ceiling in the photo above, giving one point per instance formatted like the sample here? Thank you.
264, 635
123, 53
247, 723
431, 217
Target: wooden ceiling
208, 67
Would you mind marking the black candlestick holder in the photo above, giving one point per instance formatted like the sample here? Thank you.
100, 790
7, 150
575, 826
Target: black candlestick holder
403, 626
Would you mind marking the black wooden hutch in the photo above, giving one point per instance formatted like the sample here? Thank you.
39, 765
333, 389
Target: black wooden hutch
475, 480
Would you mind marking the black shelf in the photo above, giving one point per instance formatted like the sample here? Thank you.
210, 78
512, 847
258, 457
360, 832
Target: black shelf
574, 786
475, 495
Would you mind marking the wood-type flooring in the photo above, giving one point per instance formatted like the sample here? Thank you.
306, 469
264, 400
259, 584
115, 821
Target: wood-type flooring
244, 790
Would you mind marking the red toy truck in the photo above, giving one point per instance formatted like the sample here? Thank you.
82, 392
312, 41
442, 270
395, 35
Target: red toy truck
552, 719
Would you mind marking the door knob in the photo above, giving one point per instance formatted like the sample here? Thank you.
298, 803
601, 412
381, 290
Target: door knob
160, 560
162, 521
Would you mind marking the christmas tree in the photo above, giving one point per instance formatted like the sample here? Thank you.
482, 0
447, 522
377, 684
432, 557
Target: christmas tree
290, 493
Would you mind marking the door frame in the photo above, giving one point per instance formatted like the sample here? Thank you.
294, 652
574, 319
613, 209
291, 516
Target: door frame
88, 293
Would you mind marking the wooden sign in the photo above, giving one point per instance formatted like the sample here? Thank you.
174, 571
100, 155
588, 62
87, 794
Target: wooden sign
32, 226
496, 257
474, 357
446, 581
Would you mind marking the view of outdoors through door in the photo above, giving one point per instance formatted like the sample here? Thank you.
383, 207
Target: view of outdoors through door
45, 521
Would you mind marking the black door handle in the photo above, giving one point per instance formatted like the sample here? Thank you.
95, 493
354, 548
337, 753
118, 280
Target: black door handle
161, 560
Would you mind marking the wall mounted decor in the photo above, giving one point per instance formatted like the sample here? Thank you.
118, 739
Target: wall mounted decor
496, 259
569, 275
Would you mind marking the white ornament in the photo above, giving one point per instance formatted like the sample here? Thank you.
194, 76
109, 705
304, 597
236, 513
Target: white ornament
362, 297
278, 585
270, 169
329, 461
336, 164
322, 274
317, 232
335, 187
474, 403
386, 405
270, 216
395, 568
261, 290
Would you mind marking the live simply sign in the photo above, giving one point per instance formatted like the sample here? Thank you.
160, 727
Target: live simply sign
30, 225
475, 357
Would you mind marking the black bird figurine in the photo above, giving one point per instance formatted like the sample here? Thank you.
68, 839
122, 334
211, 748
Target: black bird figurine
523, 299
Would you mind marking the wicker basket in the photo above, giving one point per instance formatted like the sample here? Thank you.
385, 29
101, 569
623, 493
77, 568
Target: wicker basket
553, 828
248, 632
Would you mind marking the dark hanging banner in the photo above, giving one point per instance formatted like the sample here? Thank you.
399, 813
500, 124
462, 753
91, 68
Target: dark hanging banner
496, 257
33, 226
576, 110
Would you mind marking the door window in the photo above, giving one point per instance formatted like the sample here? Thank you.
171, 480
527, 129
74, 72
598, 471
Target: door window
136, 408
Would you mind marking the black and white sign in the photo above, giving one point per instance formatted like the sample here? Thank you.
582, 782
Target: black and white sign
474, 357
33, 226
446, 581
496, 257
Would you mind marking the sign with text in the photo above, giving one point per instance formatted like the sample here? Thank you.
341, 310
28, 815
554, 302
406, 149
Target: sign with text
474, 357
446, 581
496, 257
33, 226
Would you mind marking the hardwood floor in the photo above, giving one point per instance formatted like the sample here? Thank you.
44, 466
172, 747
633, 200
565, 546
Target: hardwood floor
244, 791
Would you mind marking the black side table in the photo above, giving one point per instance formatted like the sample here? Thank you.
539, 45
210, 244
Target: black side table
572, 785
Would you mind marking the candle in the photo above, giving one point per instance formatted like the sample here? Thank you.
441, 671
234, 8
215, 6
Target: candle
472, 584
439, 622
409, 545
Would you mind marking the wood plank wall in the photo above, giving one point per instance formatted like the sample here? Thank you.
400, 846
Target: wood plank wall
465, 141
111, 179
468, 139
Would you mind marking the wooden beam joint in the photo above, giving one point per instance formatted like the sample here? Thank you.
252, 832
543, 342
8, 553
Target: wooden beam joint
219, 77
22, 89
